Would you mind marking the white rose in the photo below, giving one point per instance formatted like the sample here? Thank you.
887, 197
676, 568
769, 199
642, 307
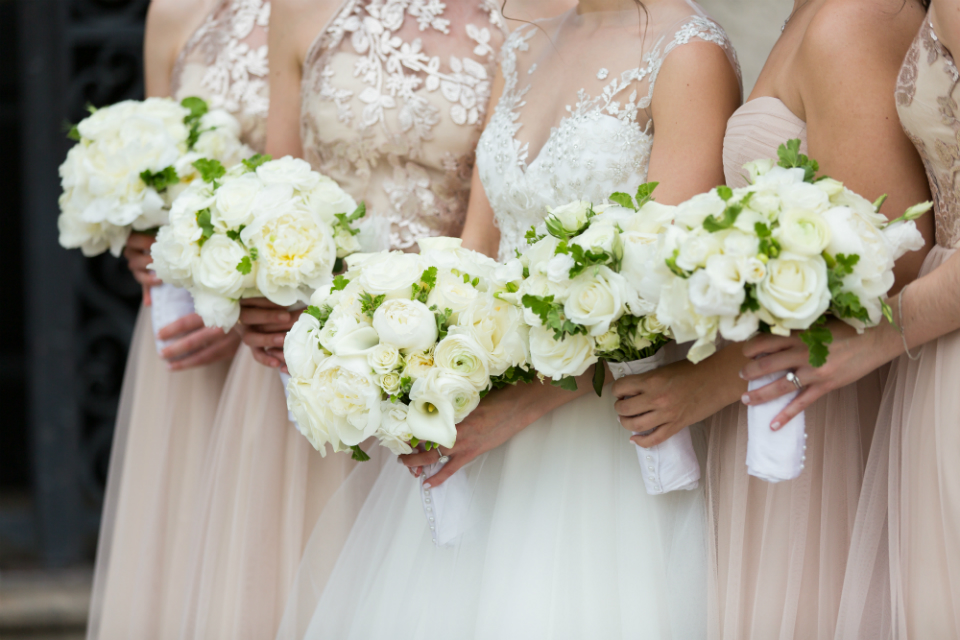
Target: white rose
740, 328
597, 298
216, 310
558, 268
289, 171
392, 273
407, 324
300, 345
327, 198
718, 289
499, 328
795, 290
753, 270
696, 248
599, 238
640, 265
217, 266
352, 397
234, 201
451, 292
556, 359
385, 358
389, 382
394, 433
608, 341
461, 354
571, 217
803, 231
432, 415
222, 145
418, 365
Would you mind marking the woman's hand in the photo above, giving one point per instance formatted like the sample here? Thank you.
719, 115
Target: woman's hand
670, 398
137, 253
500, 415
852, 356
266, 326
196, 345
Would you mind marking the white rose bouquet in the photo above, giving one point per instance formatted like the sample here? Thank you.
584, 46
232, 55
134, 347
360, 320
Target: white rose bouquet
130, 161
270, 228
780, 254
590, 290
402, 347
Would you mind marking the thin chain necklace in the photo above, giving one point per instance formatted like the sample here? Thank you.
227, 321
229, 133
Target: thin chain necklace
793, 13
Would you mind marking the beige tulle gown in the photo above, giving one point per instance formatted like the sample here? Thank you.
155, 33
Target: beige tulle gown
165, 418
395, 122
905, 565
779, 550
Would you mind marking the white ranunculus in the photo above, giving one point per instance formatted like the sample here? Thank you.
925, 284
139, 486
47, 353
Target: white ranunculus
597, 297
718, 289
418, 365
696, 248
216, 268
289, 171
463, 355
394, 433
558, 268
234, 201
572, 217
803, 231
451, 292
432, 415
795, 289
409, 325
392, 273
216, 310
556, 359
740, 328
385, 358
499, 328
352, 397
326, 198
299, 346
608, 341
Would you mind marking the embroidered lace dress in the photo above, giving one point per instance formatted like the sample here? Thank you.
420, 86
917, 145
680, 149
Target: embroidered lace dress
909, 524
165, 418
561, 539
394, 96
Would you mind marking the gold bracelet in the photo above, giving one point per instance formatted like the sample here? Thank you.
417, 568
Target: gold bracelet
902, 330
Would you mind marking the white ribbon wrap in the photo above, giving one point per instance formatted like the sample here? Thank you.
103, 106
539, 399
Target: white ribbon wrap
671, 465
445, 507
779, 455
168, 304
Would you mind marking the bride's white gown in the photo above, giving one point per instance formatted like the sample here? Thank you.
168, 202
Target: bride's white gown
562, 540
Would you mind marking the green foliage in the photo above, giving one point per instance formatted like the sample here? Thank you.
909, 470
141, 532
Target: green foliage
843, 304
369, 304
532, 237
344, 221
817, 337
340, 283
750, 302
256, 160
585, 258
234, 234
210, 170
443, 321
599, 374
888, 313
645, 193
254, 253
73, 131
205, 224
879, 202
245, 266
552, 316
791, 158
160, 180
674, 268
913, 212
769, 246
359, 454
567, 382
730, 215
724, 192
422, 289
623, 199
511, 376
197, 108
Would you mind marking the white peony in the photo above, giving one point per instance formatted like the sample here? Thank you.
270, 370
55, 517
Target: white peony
391, 273
216, 310
289, 171
352, 398
407, 324
556, 359
216, 270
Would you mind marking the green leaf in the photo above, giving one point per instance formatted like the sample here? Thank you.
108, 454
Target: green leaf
645, 193
568, 382
845, 264
359, 454
210, 170
672, 265
73, 131
256, 160
791, 158
730, 214
879, 202
340, 283
234, 234
205, 224
888, 313
599, 373
724, 192
623, 199
196, 106
817, 337
750, 302
540, 305
369, 303
532, 237
245, 266
160, 180
254, 253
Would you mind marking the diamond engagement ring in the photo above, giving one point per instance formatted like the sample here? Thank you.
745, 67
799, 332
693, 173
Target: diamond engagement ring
792, 377
443, 459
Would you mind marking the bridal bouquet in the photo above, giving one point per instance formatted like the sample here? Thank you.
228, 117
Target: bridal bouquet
402, 347
271, 228
778, 255
590, 293
130, 161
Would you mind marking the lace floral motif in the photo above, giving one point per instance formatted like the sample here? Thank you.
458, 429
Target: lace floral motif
599, 147
235, 75
397, 96
928, 112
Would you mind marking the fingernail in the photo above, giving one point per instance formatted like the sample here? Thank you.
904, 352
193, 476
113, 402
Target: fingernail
742, 377
745, 398
774, 426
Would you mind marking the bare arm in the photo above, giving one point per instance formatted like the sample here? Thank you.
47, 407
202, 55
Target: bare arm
170, 23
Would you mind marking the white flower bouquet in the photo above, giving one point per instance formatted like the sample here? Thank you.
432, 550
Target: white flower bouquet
402, 347
130, 161
270, 228
590, 290
780, 254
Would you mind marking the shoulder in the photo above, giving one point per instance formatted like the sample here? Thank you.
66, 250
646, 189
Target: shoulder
167, 13
699, 54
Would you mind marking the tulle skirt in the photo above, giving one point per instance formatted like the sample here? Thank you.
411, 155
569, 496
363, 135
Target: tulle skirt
159, 447
561, 541
260, 497
905, 563
778, 552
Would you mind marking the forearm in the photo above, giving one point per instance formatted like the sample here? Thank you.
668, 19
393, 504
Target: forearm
930, 306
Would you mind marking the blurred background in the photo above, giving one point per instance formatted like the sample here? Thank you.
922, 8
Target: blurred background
67, 321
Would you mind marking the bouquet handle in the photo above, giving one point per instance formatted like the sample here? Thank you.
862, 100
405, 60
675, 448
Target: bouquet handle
445, 507
779, 455
169, 304
671, 465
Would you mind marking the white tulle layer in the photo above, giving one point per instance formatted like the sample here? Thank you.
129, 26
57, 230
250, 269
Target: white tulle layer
562, 542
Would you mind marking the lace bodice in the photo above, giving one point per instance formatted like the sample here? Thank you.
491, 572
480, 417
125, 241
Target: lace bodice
927, 104
601, 144
225, 63
393, 99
